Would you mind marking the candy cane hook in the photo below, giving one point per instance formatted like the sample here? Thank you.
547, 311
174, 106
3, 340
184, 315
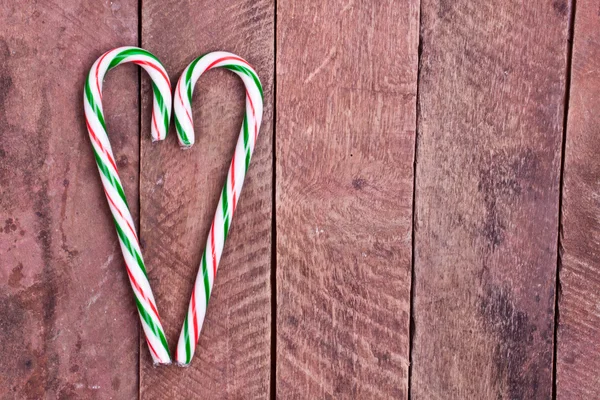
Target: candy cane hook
232, 188
113, 188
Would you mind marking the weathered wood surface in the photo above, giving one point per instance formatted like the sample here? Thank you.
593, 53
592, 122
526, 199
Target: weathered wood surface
578, 353
179, 194
491, 96
68, 325
346, 98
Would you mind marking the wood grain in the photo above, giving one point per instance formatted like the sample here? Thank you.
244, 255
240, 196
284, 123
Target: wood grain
578, 354
346, 98
180, 190
491, 98
68, 324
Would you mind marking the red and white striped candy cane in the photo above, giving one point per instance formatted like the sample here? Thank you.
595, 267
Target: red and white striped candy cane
113, 188
232, 188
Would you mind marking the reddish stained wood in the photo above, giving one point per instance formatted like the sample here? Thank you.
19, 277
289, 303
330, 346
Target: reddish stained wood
491, 94
180, 190
578, 354
345, 142
68, 325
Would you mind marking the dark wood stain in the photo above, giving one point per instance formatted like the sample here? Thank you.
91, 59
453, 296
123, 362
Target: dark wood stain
57, 243
561, 7
491, 94
517, 371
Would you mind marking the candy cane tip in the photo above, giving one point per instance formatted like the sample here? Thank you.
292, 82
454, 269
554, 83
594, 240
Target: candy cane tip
182, 364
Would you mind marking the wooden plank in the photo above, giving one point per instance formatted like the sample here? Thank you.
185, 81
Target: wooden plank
491, 93
578, 354
68, 324
180, 190
346, 107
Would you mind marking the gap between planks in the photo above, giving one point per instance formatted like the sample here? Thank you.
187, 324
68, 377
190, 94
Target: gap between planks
139, 225
273, 372
557, 287
411, 326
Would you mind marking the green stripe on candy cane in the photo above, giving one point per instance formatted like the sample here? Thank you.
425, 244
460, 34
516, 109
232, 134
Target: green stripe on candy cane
205, 276
92, 103
225, 206
105, 171
181, 132
161, 105
128, 245
246, 143
122, 219
188, 77
231, 190
148, 320
240, 68
118, 59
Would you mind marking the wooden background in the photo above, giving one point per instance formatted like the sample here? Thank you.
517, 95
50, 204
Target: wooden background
421, 218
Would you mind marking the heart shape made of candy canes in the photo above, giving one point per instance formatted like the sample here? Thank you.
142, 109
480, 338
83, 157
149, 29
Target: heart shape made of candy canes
113, 188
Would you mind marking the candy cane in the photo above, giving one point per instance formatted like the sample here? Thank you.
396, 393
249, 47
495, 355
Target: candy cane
113, 188
231, 190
